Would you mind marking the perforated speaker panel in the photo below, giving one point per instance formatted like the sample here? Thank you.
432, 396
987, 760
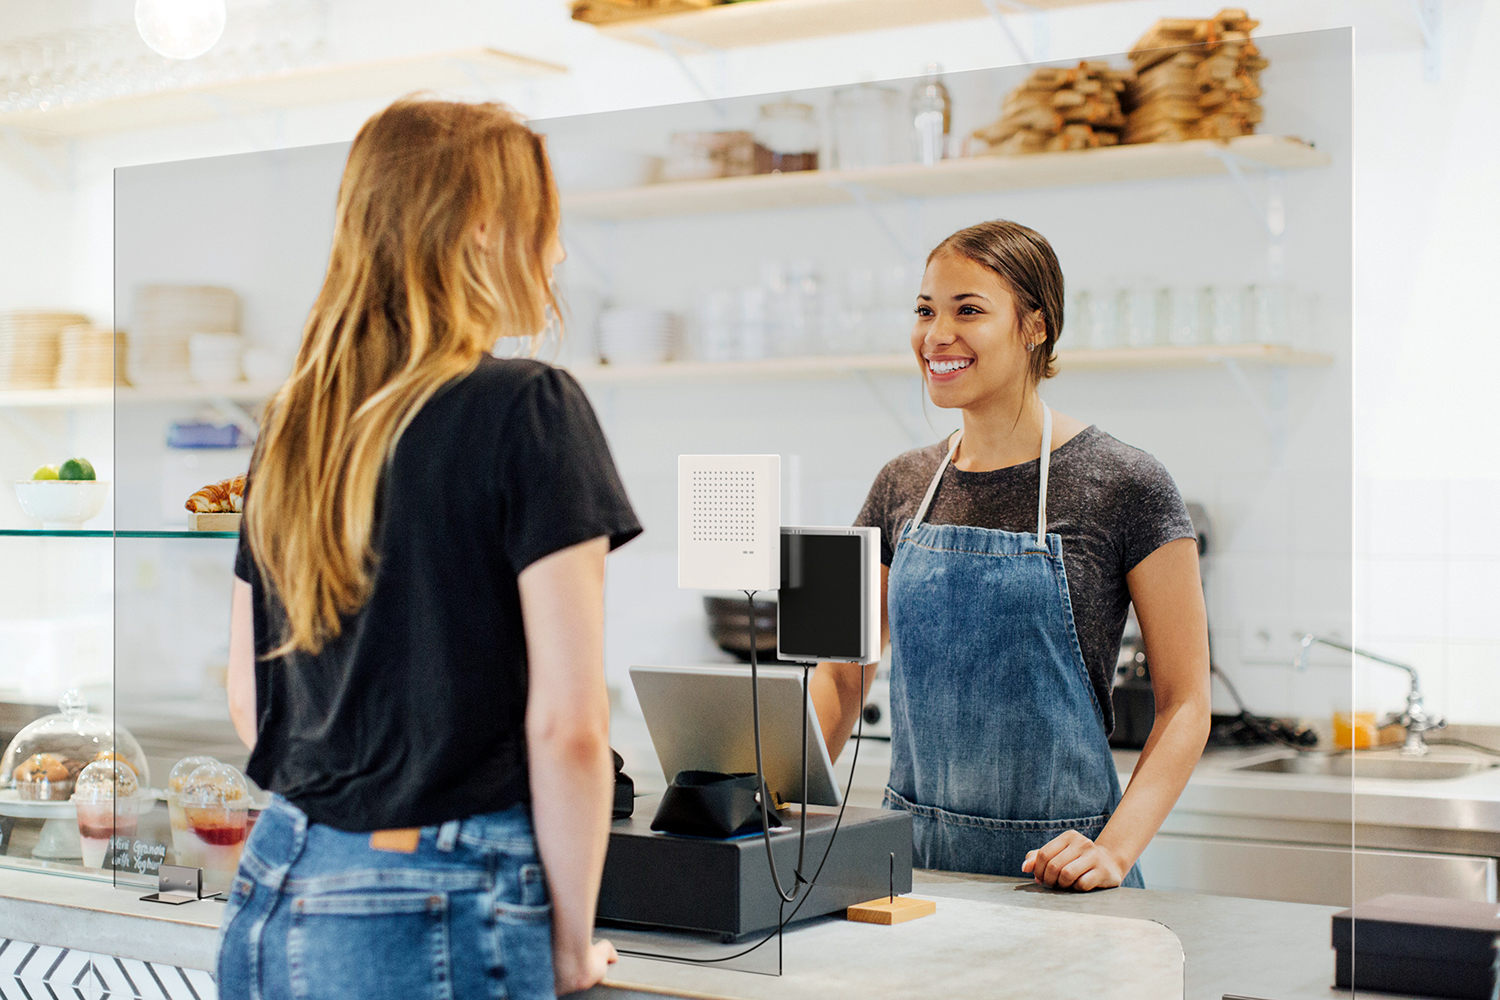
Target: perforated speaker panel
729, 522
723, 505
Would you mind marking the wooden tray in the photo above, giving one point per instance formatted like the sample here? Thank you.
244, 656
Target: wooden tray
213, 522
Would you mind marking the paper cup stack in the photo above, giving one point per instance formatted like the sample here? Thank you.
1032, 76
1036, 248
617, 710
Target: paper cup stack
86, 357
166, 318
29, 344
636, 336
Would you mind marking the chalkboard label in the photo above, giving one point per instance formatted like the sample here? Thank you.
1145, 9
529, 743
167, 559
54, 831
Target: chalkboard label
129, 854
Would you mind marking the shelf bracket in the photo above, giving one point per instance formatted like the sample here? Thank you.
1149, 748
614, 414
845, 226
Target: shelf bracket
1269, 212
1430, 20
237, 415
1272, 413
907, 248
1039, 28
672, 45
59, 174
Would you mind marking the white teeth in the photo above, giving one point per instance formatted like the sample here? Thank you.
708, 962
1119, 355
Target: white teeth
944, 367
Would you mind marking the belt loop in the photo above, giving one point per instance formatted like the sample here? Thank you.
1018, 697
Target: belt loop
447, 837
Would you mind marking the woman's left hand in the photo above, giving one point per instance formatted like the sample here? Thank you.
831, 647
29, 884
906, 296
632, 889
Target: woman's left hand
1073, 861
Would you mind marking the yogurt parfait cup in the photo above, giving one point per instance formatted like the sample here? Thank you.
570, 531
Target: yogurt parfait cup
215, 802
184, 842
108, 806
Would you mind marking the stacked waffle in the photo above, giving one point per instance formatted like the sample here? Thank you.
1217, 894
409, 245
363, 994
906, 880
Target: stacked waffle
166, 317
1195, 79
86, 357
1077, 108
29, 343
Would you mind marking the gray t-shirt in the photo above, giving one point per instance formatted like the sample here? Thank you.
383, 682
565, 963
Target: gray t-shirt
1112, 504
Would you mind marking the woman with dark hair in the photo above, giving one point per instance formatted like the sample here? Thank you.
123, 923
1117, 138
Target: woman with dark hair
1012, 553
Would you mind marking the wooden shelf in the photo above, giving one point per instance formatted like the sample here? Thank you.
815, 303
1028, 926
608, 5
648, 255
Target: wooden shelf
239, 392
973, 175
799, 367
386, 78
766, 22
904, 364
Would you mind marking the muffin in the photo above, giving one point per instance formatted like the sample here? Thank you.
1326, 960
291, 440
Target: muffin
44, 777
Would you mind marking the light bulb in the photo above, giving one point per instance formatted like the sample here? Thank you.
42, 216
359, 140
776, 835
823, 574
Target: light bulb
180, 29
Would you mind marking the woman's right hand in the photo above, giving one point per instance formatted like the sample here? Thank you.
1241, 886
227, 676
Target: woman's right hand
572, 973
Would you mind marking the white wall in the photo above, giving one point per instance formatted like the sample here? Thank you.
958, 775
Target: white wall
1426, 461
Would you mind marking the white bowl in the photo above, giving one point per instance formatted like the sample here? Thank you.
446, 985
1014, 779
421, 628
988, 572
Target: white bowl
61, 503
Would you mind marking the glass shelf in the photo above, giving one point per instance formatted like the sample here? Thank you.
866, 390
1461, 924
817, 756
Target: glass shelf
163, 533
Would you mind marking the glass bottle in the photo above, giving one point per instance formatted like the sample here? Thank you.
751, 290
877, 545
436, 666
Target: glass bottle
932, 116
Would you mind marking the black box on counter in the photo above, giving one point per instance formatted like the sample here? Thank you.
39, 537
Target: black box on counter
662, 881
1418, 944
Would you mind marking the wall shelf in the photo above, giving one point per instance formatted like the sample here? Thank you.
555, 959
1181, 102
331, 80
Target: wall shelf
972, 175
239, 392
766, 22
386, 78
904, 364
93, 533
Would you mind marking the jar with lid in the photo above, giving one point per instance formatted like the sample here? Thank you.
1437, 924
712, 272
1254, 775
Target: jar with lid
786, 138
45, 758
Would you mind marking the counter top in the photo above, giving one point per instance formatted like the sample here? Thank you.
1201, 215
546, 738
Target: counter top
978, 945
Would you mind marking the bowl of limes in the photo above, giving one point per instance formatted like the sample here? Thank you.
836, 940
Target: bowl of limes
62, 496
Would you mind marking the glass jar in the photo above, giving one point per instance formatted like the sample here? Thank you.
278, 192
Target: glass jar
866, 127
216, 804
786, 138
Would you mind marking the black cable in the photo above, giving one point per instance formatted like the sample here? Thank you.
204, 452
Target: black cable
760, 771
859, 733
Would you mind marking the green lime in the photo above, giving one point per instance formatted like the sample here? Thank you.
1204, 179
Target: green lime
45, 472
76, 468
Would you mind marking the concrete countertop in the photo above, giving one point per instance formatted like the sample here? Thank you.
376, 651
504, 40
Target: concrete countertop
1241, 947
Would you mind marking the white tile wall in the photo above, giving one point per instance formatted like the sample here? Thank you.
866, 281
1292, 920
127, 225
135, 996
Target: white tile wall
1428, 592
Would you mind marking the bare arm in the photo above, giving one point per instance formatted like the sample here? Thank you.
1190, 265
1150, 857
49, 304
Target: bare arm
567, 739
1168, 597
241, 681
839, 690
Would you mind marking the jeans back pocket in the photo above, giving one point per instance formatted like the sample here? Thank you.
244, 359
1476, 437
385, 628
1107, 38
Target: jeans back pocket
371, 945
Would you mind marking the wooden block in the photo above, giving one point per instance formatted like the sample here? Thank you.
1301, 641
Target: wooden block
884, 911
213, 522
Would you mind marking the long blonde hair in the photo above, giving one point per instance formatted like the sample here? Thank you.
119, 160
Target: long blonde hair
446, 214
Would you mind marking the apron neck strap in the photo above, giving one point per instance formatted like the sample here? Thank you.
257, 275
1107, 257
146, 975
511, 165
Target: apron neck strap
1045, 461
937, 478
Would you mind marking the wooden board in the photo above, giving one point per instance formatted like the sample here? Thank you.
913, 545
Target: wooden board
766, 22
213, 522
891, 911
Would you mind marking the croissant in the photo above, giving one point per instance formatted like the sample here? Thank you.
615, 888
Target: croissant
227, 497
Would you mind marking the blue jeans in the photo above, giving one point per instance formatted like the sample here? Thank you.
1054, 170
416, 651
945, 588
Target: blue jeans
317, 912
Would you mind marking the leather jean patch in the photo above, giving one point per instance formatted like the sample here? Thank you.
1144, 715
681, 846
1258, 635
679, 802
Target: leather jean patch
396, 841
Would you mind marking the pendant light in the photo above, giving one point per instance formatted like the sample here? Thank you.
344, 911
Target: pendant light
180, 29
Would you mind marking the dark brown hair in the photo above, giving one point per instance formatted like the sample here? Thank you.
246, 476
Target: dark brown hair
1025, 262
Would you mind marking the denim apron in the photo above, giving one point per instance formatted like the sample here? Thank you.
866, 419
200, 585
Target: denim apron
997, 739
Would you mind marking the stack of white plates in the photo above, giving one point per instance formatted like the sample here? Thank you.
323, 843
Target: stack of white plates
636, 336
215, 357
86, 357
29, 347
166, 317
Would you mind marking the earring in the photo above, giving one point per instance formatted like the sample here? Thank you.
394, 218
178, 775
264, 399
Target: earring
1030, 348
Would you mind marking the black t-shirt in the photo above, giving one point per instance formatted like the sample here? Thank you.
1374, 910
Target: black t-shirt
415, 714
1113, 505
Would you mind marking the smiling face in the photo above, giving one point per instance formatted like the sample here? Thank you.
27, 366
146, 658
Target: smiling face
966, 336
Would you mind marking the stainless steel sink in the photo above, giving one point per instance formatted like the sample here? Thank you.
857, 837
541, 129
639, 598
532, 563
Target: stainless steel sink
1432, 768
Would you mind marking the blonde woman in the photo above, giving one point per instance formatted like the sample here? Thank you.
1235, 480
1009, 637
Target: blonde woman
416, 642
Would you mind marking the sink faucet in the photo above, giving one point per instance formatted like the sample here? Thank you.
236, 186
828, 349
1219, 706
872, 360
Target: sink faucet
1415, 718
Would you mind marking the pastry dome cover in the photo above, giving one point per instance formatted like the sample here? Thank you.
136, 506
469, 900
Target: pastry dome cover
53, 750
